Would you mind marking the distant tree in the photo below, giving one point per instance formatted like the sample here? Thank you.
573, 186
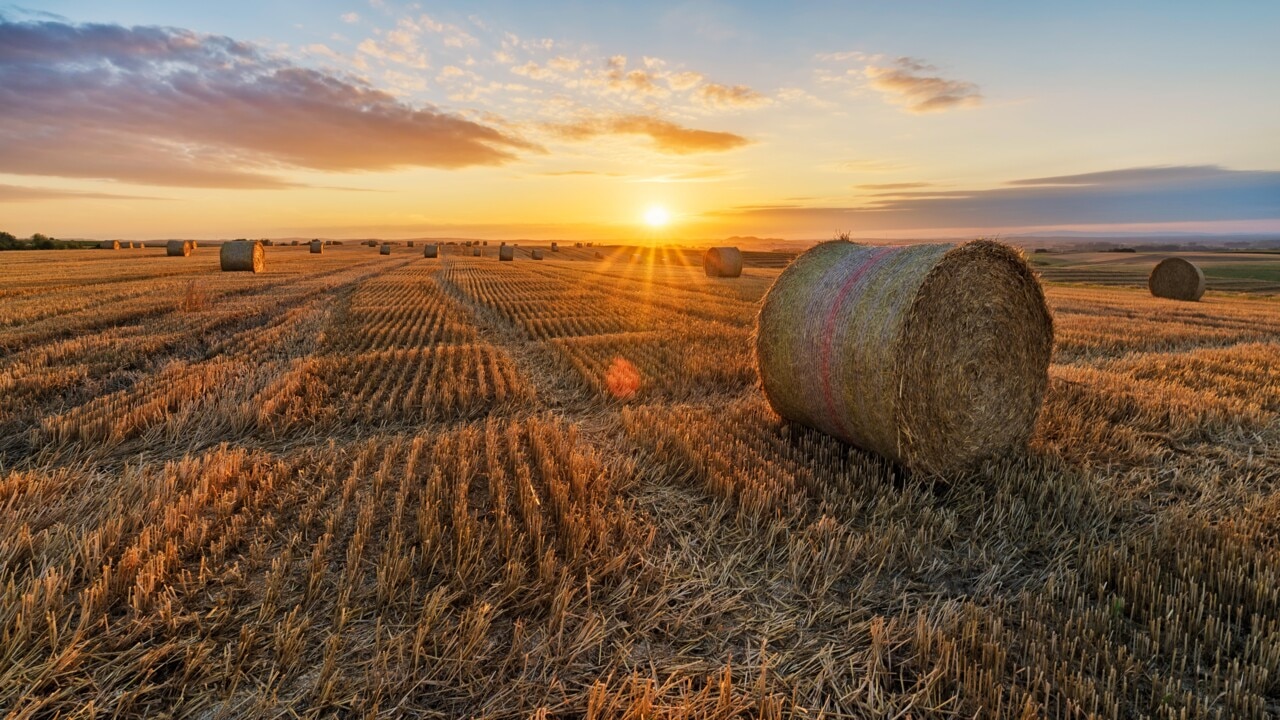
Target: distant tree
8, 241
40, 241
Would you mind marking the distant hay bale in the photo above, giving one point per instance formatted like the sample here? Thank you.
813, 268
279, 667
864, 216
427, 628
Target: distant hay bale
484, 242
317, 247
507, 253
536, 254
268, 243
242, 256
109, 245
555, 247
1176, 279
293, 243
599, 255
410, 243
430, 251
386, 249
723, 262
177, 248
475, 252
935, 356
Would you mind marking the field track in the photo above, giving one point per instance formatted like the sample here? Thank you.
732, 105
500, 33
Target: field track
358, 485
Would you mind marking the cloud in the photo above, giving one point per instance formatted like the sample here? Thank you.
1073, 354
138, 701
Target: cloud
726, 96
667, 137
16, 193
894, 186
170, 107
1171, 194
906, 82
351, 18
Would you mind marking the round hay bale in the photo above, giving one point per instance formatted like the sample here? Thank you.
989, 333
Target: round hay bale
430, 251
317, 247
195, 245
555, 247
177, 248
386, 249
723, 262
507, 253
934, 356
536, 254
268, 243
242, 256
410, 243
484, 242
475, 252
109, 245
1176, 279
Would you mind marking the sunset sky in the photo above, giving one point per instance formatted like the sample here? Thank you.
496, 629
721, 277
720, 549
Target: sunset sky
151, 119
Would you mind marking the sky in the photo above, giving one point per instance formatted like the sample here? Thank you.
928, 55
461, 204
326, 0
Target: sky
574, 120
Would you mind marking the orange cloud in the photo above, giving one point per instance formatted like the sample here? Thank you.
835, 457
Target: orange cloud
905, 83
667, 137
726, 96
170, 107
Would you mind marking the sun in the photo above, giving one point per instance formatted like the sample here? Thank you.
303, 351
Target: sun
657, 216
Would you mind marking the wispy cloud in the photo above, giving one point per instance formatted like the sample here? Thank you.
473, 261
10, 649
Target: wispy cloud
165, 106
17, 193
911, 83
730, 96
667, 136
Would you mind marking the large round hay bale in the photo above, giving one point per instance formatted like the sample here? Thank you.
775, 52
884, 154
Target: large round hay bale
475, 252
722, 262
935, 356
1176, 279
242, 255
177, 248
317, 247
430, 251
536, 254
386, 249
507, 253
109, 245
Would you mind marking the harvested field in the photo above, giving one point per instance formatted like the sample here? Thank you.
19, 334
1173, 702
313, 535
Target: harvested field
360, 485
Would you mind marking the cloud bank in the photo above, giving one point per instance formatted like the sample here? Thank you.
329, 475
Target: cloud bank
667, 137
166, 106
1166, 194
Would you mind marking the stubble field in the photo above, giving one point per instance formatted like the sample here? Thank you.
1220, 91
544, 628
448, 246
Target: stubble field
358, 485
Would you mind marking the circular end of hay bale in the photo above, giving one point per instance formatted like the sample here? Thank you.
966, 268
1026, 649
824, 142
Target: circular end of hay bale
1177, 279
723, 262
935, 356
242, 256
177, 248
506, 253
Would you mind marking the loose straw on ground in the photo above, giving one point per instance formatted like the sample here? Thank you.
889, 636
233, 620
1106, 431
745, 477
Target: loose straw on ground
1176, 279
242, 256
935, 356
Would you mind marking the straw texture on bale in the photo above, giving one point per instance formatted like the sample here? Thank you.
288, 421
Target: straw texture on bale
934, 356
536, 254
1176, 279
109, 244
475, 252
386, 250
177, 248
507, 253
430, 251
242, 255
722, 262
317, 247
